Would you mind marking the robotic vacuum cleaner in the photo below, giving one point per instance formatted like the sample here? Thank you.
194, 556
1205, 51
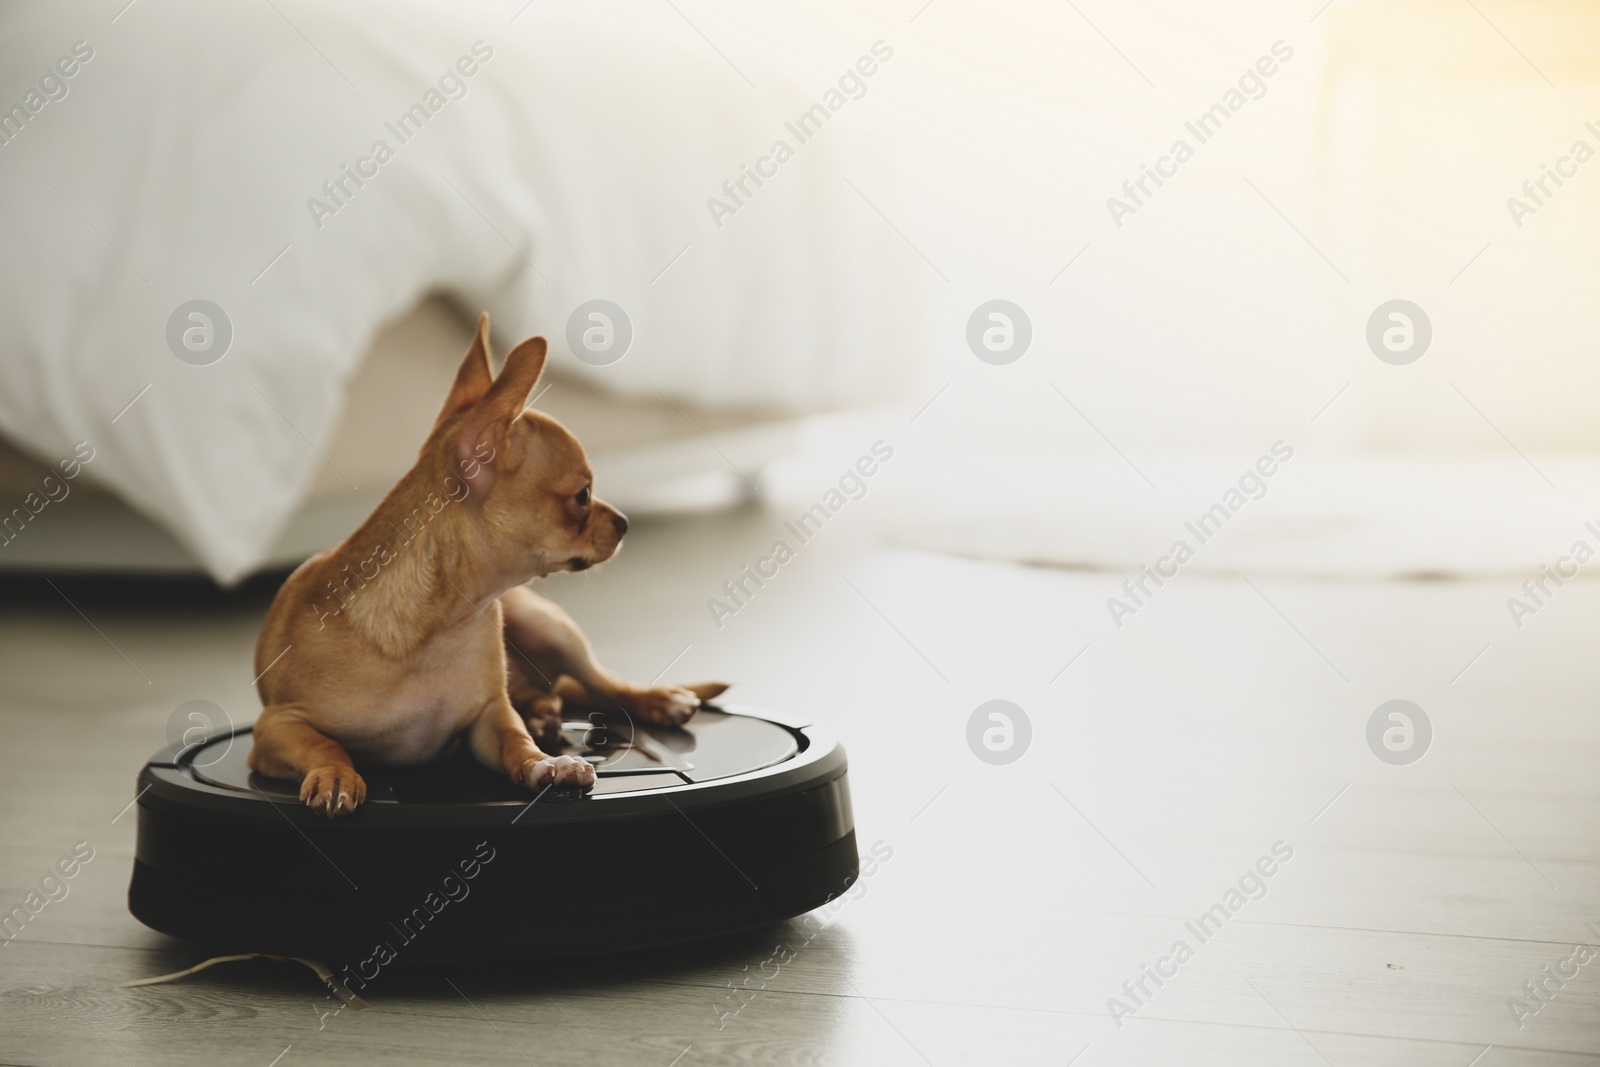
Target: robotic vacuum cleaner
737, 819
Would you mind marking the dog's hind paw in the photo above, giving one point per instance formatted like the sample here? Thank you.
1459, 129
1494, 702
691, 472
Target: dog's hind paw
560, 772
666, 705
543, 715
333, 791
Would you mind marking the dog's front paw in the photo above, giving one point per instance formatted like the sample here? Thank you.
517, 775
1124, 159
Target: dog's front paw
560, 772
667, 705
333, 791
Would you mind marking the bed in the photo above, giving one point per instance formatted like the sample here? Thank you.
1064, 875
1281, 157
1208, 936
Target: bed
650, 458
340, 189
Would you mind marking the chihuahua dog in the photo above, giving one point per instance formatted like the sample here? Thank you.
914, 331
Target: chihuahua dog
417, 633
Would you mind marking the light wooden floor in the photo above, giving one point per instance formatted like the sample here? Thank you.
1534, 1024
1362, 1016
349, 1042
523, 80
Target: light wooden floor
1165, 760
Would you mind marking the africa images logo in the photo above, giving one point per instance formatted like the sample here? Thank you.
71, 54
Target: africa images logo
1251, 886
452, 85
736, 192
1251, 85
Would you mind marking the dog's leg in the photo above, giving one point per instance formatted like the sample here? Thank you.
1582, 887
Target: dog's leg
542, 634
286, 746
662, 704
534, 698
500, 740
542, 713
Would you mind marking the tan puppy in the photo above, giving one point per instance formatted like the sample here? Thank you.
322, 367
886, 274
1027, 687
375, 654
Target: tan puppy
417, 633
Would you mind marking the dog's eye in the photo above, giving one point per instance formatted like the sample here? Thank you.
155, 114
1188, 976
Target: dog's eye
583, 497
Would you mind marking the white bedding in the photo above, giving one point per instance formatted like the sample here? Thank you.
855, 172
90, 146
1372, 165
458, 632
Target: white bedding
185, 156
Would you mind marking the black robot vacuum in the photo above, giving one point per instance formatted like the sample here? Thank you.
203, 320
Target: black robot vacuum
737, 819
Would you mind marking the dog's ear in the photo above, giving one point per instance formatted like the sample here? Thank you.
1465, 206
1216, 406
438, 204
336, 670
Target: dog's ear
509, 393
483, 432
473, 379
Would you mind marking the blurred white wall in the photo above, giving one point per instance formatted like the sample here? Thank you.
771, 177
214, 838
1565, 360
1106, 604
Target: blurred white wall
1232, 307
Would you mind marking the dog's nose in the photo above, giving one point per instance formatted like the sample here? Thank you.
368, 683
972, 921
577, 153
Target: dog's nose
622, 524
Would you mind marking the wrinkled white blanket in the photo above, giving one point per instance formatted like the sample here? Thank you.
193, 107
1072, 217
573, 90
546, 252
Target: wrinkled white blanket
312, 169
